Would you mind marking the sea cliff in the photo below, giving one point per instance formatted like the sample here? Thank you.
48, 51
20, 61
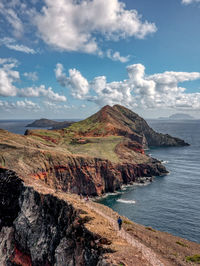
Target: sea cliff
44, 226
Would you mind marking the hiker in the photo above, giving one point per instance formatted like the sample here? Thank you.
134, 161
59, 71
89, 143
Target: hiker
119, 221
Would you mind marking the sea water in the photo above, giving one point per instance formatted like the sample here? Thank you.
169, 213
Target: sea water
171, 203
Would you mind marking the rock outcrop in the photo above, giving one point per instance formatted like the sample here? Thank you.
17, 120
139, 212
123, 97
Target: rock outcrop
39, 229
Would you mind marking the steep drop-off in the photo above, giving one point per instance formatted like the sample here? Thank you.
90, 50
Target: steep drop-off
40, 229
43, 226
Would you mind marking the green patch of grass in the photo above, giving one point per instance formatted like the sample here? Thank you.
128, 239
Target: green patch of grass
48, 133
150, 229
195, 258
127, 222
181, 244
97, 147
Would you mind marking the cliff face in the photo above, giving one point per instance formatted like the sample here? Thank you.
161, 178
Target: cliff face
41, 226
140, 126
39, 229
94, 156
85, 175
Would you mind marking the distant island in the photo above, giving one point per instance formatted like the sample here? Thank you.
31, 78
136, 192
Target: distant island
177, 117
44, 123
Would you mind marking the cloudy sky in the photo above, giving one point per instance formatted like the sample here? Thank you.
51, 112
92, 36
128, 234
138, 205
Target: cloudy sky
68, 58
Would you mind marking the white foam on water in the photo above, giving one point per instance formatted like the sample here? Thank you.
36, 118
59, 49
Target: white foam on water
165, 162
126, 201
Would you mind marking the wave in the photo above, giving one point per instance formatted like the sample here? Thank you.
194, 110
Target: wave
126, 201
164, 162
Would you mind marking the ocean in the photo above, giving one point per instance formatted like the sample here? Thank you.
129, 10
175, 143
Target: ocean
170, 203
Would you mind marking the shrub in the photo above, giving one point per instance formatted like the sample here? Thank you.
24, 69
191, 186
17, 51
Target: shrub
150, 229
181, 244
194, 258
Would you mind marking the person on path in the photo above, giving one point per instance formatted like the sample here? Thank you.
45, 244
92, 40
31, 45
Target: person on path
119, 221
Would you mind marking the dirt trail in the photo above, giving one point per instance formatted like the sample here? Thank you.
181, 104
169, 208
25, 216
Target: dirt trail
146, 252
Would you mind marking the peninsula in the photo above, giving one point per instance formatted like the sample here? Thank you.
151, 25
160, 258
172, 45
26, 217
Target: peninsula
45, 123
44, 222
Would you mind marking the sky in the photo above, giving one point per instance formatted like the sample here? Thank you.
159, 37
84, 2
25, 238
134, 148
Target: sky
65, 59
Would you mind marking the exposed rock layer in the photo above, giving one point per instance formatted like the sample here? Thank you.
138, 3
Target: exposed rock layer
41, 229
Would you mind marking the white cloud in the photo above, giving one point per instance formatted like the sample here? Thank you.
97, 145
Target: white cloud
78, 84
11, 44
77, 25
56, 108
31, 76
42, 92
8, 78
8, 61
187, 2
12, 18
115, 56
139, 90
23, 105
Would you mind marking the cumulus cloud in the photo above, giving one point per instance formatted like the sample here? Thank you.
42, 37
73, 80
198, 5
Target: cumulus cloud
41, 91
31, 76
78, 84
9, 76
115, 56
11, 44
139, 90
187, 2
78, 25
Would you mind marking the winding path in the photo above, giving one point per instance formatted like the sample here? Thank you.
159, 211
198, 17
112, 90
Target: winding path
147, 253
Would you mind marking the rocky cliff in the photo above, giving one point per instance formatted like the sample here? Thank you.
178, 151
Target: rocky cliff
40, 229
56, 166
43, 226
94, 156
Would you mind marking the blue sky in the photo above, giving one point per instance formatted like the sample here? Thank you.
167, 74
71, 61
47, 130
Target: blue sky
67, 58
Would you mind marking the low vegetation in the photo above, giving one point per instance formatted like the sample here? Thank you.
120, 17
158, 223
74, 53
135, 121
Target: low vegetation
194, 258
181, 244
150, 229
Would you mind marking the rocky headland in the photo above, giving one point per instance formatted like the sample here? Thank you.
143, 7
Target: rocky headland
43, 222
93, 156
47, 123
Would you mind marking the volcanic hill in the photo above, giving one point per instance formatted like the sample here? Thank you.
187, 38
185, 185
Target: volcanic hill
93, 156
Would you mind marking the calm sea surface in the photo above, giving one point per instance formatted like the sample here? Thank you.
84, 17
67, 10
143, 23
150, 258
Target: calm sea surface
170, 203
